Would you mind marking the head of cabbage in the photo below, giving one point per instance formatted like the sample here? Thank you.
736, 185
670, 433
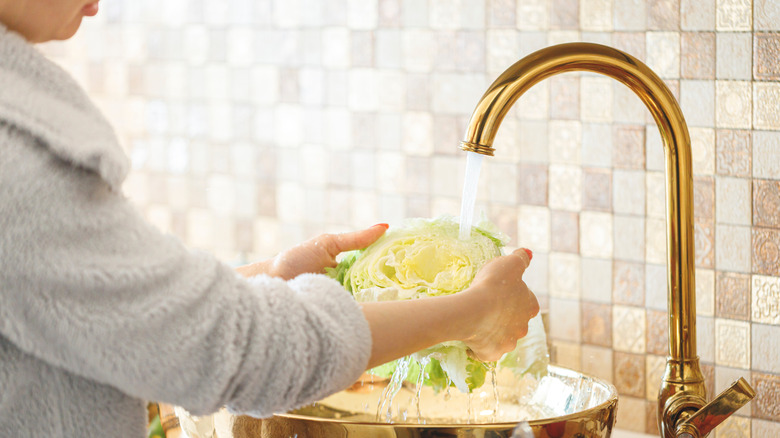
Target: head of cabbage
424, 258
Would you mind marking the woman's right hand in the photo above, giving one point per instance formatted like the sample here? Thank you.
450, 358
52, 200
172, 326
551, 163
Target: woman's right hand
504, 304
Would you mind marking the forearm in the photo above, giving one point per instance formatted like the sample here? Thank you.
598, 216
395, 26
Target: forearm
400, 328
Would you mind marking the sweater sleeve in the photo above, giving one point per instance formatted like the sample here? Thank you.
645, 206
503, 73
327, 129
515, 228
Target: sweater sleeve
89, 286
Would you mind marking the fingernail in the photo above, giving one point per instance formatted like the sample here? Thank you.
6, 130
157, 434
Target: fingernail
530, 253
385, 226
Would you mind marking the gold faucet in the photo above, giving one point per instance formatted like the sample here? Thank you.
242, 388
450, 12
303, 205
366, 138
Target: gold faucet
682, 408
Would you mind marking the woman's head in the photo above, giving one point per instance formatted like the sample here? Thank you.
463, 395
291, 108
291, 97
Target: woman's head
45, 20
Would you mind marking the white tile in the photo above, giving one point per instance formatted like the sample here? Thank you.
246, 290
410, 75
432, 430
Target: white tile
565, 187
335, 47
733, 104
455, 93
533, 15
417, 133
766, 106
705, 336
656, 286
703, 150
629, 238
764, 355
338, 129
597, 280
419, 50
565, 138
630, 15
654, 149
388, 48
565, 320
564, 276
734, 55
534, 141
766, 154
500, 179
472, 14
765, 299
596, 15
502, 48
362, 14
697, 101
766, 14
533, 228
597, 145
734, 198
628, 191
535, 103
628, 329
734, 15
391, 90
732, 339
596, 235
655, 241
444, 14
663, 54
596, 98
705, 292
732, 248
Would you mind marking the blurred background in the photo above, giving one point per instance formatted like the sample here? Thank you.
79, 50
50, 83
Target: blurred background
255, 124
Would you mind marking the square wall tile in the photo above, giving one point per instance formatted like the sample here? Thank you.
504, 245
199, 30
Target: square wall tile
656, 286
596, 324
732, 299
628, 192
654, 371
733, 196
697, 55
765, 428
725, 377
733, 104
766, 154
766, 52
630, 15
766, 105
663, 54
596, 15
533, 228
765, 299
766, 251
766, 345
706, 338
766, 405
565, 187
705, 292
566, 354
733, 155
532, 184
596, 98
734, 15
565, 227
596, 189
629, 238
628, 147
766, 203
597, 280
564, 275
500, 13
734, 55
532, 15
732, 248
663, 15
655, 241
703, 198
732, 343
596, 235
597, 149
655, 188
597, 362
703, 150
565, 14
632, 414
565, 97
629, 374
698, 15
734, 426
565, 138
657, 333
628, 286
628, 329
766, 14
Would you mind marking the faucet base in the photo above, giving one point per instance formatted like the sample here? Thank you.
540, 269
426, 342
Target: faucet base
682, 393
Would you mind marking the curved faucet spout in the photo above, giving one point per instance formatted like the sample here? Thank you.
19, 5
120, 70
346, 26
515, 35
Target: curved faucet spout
682, 390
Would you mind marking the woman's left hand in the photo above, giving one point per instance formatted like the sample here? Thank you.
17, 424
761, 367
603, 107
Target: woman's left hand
314, 255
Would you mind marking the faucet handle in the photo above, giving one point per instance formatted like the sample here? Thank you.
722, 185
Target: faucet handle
716, 411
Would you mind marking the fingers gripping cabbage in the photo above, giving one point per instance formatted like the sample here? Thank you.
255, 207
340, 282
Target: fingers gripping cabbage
424, 258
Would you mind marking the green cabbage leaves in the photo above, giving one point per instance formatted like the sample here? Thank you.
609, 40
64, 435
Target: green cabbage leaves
423, 258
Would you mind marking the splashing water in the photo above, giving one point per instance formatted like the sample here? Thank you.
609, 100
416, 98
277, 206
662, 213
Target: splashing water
470, 182
422, 363
388, 395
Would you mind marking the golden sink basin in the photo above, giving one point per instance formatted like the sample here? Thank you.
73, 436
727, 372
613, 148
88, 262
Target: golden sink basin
564, 403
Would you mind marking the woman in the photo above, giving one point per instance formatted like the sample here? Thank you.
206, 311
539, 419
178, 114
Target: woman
99, 311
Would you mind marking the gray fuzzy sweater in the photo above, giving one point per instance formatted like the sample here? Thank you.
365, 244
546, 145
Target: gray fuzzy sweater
100, 312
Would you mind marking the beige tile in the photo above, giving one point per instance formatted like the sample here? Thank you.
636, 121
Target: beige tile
763, 428
628, 283
533, 228
597, 189
629, 238
705, 292
655, 241
565, 228
734, 427
628, 147
765, 299
766, 203
655, 192
766, 105
766, 251
565, 97
766, 14
766, 345
663, 15
697, 55
628, 329
532, 184
733, 104
596, 324
657, 333
629, 374
766, 405
565, 187
732, 343
654, 371
734, 55
766, 52
597, 362
597, 280
532, 15
389, 13
564, 14
703, 198
630, 15
565, 138
628, 192
632, 414
500, 13
733, 297
656, 286
734, 15
724, 378
732, 248
566, 354
697, 15
596, 15
500, 180
597, 146
596, 98
734, 155
706, 338
703, 150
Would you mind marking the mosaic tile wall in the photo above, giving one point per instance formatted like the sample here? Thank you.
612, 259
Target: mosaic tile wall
255, 124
